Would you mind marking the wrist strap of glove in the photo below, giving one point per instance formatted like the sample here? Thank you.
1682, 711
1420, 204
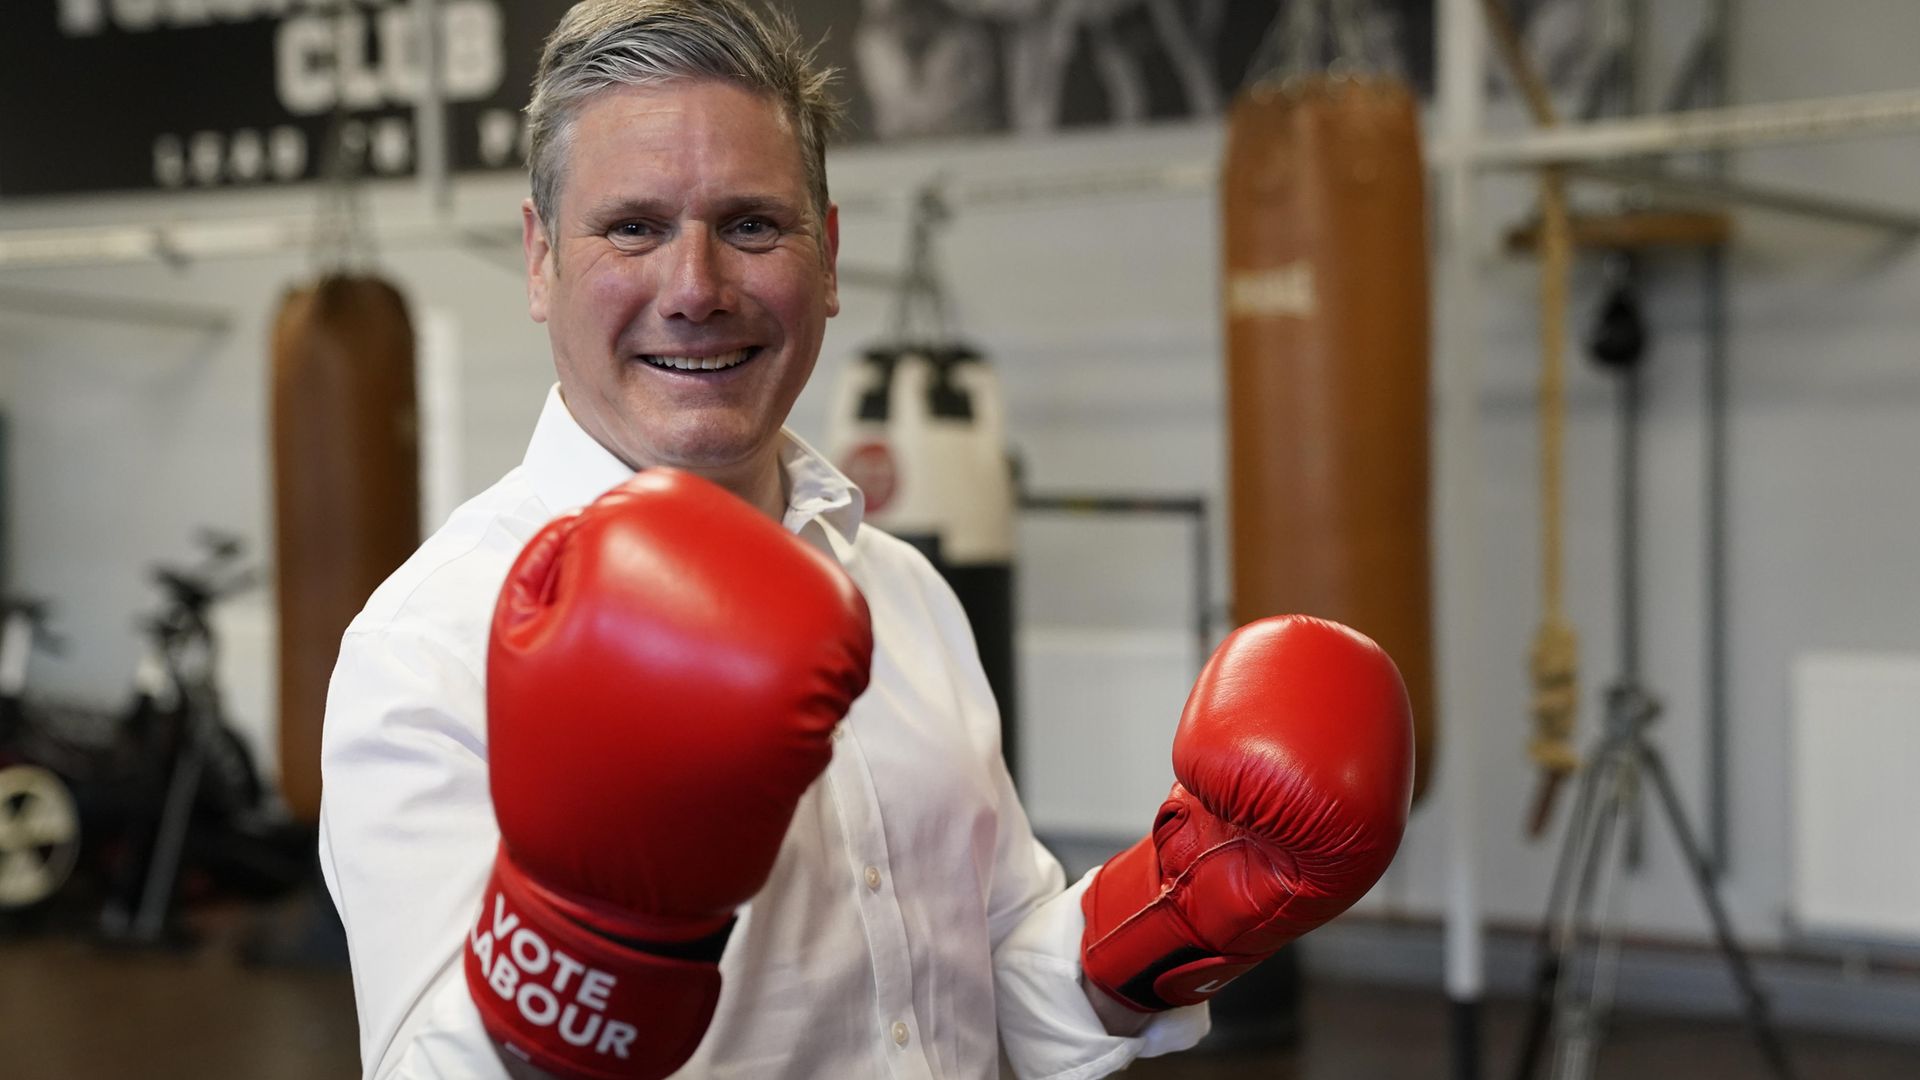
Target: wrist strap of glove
1137, 945
579, 1002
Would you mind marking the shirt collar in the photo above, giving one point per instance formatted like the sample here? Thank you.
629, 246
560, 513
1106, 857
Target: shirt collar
818, 491
568, 470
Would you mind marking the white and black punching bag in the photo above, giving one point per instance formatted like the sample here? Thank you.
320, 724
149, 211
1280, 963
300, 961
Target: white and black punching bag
922, 432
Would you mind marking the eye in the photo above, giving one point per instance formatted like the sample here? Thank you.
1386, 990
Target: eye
637, 236
754, 231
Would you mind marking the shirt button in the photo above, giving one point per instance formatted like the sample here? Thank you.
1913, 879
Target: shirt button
899, 1033
873, 878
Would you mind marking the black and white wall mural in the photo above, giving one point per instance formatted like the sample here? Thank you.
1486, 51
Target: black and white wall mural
944, 67
106, 95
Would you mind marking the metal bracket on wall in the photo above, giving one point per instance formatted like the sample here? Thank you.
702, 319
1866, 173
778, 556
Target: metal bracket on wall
1589, 149
1191, 507
180, 244
1739, 194
87, 307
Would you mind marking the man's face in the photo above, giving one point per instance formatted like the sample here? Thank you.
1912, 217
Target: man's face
687, 281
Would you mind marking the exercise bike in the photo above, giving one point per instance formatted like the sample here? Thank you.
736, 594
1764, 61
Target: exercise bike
167, 808
208, 827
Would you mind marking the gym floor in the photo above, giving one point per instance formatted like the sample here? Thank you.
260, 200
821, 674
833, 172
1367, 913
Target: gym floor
70, 1010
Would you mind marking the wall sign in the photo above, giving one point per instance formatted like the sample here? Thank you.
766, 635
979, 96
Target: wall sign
117, 95
127, 94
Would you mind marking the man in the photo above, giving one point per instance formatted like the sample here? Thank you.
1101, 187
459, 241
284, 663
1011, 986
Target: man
681, 251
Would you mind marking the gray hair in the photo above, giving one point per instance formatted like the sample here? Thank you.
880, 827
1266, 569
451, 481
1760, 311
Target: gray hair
606, 43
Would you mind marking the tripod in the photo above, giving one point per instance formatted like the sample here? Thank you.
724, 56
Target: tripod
1605, 829
1616, 775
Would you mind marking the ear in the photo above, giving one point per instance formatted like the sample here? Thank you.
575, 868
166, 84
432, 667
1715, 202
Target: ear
539, 252
830, 234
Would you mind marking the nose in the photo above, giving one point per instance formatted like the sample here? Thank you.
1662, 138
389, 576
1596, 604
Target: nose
696, 286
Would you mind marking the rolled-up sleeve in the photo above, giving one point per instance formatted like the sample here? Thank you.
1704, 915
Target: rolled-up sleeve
407, 836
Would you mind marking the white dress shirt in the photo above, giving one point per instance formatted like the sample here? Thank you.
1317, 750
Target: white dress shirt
912, 925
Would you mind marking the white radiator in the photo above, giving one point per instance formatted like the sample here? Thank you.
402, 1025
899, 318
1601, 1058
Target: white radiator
1856, 795
1098, 712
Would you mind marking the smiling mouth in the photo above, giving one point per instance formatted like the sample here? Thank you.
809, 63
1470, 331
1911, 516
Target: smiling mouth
719, 362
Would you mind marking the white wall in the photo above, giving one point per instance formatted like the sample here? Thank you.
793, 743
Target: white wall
1824, 412
1102, 318
124, 437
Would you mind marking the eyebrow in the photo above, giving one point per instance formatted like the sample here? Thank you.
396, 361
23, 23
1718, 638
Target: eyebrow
620, 206
623, 206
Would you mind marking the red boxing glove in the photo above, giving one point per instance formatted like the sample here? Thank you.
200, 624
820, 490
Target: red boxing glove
1294, 761
666, 669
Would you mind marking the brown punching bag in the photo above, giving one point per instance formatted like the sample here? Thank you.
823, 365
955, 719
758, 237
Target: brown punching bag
1325, 240
346, 468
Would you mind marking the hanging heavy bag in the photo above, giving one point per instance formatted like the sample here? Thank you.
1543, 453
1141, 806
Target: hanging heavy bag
1325, 244
346, 465
922, 431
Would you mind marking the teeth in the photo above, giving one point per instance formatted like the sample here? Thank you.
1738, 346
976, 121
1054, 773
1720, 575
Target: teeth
700, 363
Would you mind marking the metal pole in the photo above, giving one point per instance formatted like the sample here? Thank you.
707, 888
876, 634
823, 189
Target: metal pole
1753, 999
1716, 190
1885, 113
1202, 587
430, 111
1188, 506
1461, 107
184, 241
1627, 493
1713, 301
49, 303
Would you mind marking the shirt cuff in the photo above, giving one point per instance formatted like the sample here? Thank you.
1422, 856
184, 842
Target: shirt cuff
446, 1040
1047, 1026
